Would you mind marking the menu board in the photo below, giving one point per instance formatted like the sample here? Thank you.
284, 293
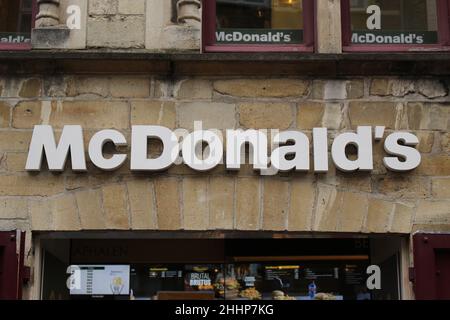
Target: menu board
101, 280
282, 272
321, 272
354, 275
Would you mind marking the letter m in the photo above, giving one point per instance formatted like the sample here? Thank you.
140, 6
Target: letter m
43, 141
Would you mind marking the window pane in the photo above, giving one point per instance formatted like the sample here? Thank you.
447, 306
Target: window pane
259, 21
394, 21
15, 21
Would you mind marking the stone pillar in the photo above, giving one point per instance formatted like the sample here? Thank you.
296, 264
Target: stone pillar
188, 11
329, 36
48, 15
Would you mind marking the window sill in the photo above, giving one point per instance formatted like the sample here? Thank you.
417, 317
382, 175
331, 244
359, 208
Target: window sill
258, 48
395, 48
140, 61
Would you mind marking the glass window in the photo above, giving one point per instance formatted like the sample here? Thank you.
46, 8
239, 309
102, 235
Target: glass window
395, 22
264, 21
258, 22
15, 23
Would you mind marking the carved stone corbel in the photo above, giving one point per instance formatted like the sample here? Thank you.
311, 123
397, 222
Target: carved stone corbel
188, 11
48, 14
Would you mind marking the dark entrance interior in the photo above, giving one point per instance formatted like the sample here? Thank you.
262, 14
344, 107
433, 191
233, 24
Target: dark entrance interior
235, 268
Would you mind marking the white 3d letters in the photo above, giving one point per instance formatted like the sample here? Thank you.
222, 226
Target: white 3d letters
362, 140
406, 151
96, 149
193, 141
139, 152
203, 150
43, 141
300, 151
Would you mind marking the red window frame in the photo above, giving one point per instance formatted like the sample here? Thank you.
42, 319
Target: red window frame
22, 46
443, 15
426, 273
209, 29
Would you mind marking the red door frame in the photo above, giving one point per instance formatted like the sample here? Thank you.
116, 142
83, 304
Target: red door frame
425, 271
11, 274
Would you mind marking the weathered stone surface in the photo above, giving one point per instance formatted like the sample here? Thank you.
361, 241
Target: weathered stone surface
65, 213
445, 142
194, 89
130, 87
329, 200
431, 88
88, 86
403, 186
328, 38
40, 215
440, 188
333, 116
13, 208
31, 88
369, 113
434, 165
103, 7
309, 115
355, 89
55, 86
432, 212
27, 114
338, 89
88, 180
391, 87
168, 203
248, 194
142, 209
275, 204
402, 219
276, 88
265, 115
428, 116
5, 114
31, 185
131, 6
14, 140
195, 203
91, 213
357, 181
89, 114
115, 207
302, 197
221, 202
426, 141
153, 113
207, 113
378, 215
116, 31
352, 212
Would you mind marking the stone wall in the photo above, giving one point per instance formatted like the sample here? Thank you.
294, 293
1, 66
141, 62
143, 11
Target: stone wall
181, 199
119, 24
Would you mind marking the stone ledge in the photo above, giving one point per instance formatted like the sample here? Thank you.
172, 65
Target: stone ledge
193, 63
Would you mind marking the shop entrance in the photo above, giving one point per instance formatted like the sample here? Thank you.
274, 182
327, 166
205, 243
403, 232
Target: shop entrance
227, 268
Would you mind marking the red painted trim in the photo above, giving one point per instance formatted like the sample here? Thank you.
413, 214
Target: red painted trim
21, 271
23, 46
209, 29
425, 246
9, 266
443, 15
